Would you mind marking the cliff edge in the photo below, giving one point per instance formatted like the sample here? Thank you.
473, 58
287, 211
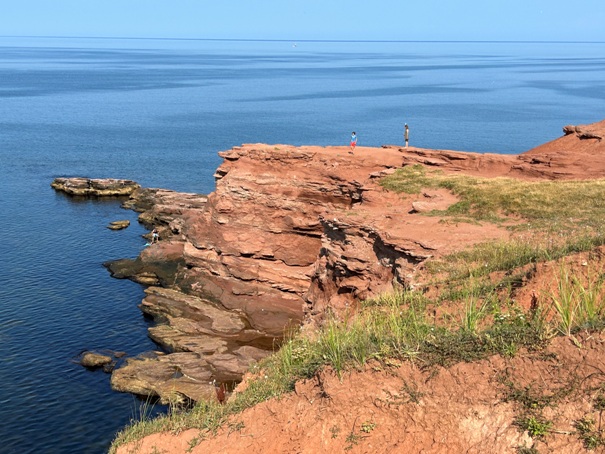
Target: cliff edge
292, 231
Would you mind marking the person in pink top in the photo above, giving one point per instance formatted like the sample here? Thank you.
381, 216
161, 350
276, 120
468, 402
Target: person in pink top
353, 141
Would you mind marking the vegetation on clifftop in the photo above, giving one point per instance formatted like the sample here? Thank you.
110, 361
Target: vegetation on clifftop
465, 312
546, 206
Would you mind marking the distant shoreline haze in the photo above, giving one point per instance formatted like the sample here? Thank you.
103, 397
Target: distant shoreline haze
306, 40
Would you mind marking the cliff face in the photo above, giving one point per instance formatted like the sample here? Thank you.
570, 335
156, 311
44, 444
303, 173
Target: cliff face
292, 231
287, 233
580, 153
254, 246
270, 242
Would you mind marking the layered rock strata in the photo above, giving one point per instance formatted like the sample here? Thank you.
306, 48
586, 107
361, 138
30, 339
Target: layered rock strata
208, 343
580, 153
288, 233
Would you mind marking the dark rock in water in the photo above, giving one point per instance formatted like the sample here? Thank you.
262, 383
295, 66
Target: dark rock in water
108, 368
104, 187
118, 225
151, 272
95, 360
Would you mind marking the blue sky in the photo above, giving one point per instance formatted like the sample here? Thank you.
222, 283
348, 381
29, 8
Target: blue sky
581, 20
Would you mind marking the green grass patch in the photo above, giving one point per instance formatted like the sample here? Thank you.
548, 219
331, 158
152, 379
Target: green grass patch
549, 219
549, 205
391, 327
486, 258
591, 436
536, 427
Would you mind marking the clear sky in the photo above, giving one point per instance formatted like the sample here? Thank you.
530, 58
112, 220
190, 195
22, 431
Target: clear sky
540, 20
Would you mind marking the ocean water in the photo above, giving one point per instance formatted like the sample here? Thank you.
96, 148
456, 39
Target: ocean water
158, 111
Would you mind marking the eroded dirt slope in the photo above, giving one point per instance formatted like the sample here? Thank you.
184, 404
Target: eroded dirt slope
470, 407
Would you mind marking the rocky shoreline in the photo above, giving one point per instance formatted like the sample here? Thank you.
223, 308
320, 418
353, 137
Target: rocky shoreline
288, 234
89, 187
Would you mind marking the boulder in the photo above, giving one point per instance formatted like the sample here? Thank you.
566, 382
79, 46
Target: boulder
118, 225
422, 207
95, 360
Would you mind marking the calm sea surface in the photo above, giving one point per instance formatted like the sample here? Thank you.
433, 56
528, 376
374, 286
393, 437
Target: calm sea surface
158, 111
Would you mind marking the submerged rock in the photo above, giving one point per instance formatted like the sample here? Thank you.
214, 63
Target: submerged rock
95, 360
118, 225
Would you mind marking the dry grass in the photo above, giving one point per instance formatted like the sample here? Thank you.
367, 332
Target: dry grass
550, 220
547, 219
551, 206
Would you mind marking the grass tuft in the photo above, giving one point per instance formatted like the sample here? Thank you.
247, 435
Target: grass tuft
394, 327
578, 304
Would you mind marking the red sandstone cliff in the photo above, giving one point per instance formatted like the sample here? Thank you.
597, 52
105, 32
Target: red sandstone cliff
291, 231
580, 153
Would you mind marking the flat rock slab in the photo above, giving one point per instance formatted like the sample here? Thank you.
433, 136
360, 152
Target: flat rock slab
181, 376
206, 341
94, 360
166, 303
103, 187
173, 378
118, 225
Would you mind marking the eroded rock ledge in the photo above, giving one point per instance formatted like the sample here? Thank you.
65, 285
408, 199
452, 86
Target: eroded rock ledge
103, 187
289, 232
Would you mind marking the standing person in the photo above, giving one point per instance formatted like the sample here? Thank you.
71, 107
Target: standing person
406, 135
155, 236
353, 141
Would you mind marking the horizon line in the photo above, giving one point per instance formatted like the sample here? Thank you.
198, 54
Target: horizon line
143, 38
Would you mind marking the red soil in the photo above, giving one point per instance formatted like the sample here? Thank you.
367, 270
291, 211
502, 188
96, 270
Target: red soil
464, 408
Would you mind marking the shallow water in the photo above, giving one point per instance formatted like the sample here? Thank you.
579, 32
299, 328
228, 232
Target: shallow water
157, 112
